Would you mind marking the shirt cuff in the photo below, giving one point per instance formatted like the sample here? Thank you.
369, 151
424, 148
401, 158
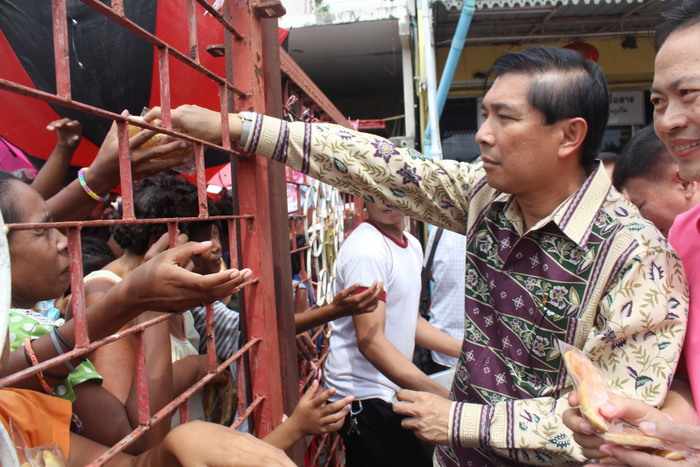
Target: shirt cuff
472, 425
248, 123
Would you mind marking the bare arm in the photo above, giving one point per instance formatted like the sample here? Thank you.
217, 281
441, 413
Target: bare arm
430, 337
376, 348
350, 301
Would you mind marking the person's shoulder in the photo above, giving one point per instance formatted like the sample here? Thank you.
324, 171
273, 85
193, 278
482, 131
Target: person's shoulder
364, 241
621, 218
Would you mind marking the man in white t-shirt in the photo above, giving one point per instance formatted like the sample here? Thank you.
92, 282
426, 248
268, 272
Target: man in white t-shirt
370, 354
446, 290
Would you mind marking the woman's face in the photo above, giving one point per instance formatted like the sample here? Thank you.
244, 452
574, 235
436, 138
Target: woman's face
39, 258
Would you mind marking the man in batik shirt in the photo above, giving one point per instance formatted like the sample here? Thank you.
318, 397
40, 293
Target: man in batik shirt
553, 253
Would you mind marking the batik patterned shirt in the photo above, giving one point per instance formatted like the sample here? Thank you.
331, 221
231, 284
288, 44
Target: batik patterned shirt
593, 274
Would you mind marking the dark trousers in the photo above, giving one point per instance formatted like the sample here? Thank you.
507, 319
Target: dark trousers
374, 438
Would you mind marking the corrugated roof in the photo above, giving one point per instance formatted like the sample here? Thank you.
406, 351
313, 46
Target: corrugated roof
487, 4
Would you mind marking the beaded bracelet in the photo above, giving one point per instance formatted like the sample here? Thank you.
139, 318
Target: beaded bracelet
89, 191
29, 353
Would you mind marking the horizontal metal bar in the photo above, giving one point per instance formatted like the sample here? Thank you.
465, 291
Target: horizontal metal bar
156, 41
17, 88
77, 353
220, 18
300, 249
241, 418
109, 222
171, 406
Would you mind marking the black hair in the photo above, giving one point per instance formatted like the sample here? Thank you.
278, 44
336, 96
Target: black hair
580, 89
296, 257
163, 195
642, 156
682, 15
96, 253
8, 207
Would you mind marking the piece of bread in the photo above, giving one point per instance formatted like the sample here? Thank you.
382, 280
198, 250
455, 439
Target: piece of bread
590, 387
153, 141
632, 437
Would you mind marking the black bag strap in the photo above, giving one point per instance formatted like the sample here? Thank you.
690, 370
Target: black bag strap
427, 275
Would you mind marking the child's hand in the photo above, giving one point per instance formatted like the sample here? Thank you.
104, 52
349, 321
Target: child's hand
68, 132
314, 415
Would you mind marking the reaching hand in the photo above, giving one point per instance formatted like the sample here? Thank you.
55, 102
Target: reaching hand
104, 170
68, 132
199, 122
315, 415
164, 284
349, 302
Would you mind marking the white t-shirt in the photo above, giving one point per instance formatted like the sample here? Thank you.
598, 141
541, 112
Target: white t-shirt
447, 288
368, 256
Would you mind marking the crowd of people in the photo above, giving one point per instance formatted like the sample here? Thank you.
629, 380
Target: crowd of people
535, 245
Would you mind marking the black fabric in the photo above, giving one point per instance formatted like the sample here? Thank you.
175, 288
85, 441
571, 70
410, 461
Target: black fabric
110, 67
421, 356
379, 440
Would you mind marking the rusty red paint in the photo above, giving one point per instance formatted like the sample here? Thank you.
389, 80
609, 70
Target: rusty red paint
88, 109
225, 132
164, 77
211, 340
192, 30
126, 183
142, 395
82, 339
220, 18
60, 48
201, 180
241, 418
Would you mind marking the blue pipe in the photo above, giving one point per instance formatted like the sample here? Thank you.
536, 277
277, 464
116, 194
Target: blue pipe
448, 74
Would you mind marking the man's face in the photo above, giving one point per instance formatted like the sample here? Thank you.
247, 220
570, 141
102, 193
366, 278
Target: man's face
517, 149
659, 199
676, 99
384, 214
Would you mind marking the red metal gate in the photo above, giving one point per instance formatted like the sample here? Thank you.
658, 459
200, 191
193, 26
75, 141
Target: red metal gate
251, 57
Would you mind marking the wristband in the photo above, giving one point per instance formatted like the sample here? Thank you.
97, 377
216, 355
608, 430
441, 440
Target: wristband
29, 354
60, 350
87, 189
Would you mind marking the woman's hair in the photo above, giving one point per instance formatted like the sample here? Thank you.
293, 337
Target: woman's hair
8, 208
164, 195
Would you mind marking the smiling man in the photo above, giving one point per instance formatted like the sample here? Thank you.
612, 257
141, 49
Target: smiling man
553, 253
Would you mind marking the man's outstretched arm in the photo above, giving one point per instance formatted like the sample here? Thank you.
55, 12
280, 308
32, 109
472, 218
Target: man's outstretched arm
438, 192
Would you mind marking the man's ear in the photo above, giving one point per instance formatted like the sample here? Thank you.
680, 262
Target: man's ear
573, 135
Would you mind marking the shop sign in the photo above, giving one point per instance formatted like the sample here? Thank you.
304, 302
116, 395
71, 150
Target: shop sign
626, 108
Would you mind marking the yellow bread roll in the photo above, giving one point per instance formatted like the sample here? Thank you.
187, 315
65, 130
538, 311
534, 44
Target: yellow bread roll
592, 390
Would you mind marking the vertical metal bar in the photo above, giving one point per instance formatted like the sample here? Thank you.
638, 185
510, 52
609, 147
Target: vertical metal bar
142, 395
192, 26
232, 225
118, 7
164, 76
126, 184
82, 339
201, 180
225, 133
211, 341
60, 48
172, 234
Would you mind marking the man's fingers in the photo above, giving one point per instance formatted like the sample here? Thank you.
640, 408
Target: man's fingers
407, 395
405, 408
573, 399
162, 149
333, 418
140, 138
630, 410
333, 427
184, 253
409, 423
160, 246
152, 114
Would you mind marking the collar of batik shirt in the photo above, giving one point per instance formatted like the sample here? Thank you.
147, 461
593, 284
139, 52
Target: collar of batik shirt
574, 216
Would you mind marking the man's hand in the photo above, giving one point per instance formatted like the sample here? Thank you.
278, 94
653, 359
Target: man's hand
199, 122
427, 415
314, 415
348, 302
164, 284
204, 444
104, 170
67, 131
